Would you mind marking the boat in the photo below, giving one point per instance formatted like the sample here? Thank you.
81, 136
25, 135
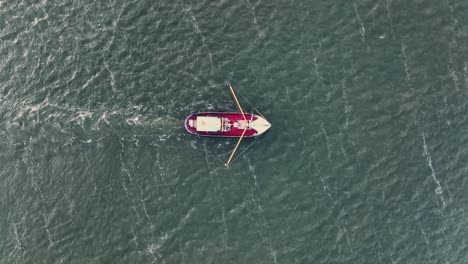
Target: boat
230, 124
227, 124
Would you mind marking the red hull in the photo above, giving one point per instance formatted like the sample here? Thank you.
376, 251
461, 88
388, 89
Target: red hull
229, 118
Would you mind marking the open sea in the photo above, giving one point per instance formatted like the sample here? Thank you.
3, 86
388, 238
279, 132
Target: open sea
366, 161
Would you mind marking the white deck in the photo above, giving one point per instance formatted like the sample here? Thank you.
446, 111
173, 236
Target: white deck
208, 124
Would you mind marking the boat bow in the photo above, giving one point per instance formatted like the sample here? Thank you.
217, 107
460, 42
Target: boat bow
260, 125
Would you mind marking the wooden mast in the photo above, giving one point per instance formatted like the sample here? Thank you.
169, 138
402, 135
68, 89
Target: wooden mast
235, 148
237, 102
245, 129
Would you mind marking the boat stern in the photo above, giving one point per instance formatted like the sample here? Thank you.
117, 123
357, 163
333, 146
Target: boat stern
190, 124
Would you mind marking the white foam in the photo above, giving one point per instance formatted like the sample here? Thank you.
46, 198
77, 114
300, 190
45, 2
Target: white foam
199, 32
15, 232
37, 20
30, 110
451, 66
343, 151
388, 5
126, 171
133, 120
220, 192
427, 154
112, 78
405, 61
348, 240
260, 213
152, 249
452, 16
91, 79
260, 33
426, 239
46, 227
134, 238
144, 207
347, 107
379, 254
80, 116
362, 29
327, 140
325, 187
73, 76
135, 209
104, 118
160, 169
465, 74
317, 70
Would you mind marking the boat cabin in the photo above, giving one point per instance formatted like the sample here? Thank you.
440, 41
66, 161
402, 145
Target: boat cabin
207, 124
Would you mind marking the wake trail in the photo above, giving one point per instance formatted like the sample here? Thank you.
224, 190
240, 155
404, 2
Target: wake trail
112, 78
62, 119
455, 21
362, 29
427, 154
160, 168
343, 231
465, 74
260, 33
345, 155
144, 206
46, 226
379, 253
135, 195
17, 240
88, 163
405, 62
327, 139
214, 175
199, 32
35, 184
341, 224
316, 66
453, 45
130, 185
388, 6
452, 66
426, 239
347, 107
325, 186
261, 215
